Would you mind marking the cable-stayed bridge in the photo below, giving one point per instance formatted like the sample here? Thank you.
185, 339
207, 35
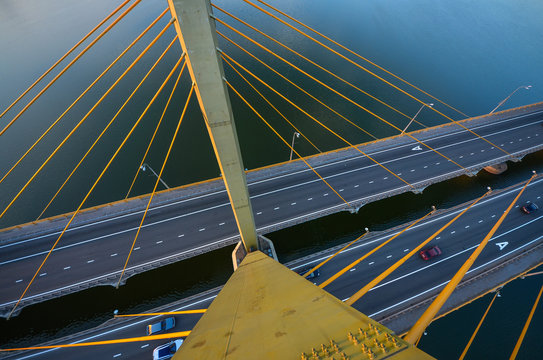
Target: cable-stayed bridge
87, 245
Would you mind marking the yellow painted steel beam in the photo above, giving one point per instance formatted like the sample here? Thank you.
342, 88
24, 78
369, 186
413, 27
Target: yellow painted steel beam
198, 39
416, 331
266, 311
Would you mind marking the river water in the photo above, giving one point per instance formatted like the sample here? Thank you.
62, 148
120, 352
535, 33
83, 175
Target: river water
469, 54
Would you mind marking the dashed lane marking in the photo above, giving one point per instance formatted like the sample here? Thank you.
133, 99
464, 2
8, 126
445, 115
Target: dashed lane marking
466, 227
325, 194
353, 269
18, 281
412, 170
371, 263
181, 235
295, 203
356, 185
90, 261
137, 248
202, 229
113, 255
388, 257
371, 182
259, 213
309, 199
43, 274
221, 224
340, 190
67, 268
276, 208
144, 346
452, 232
160, 242
386, 177
117, 355
480, 221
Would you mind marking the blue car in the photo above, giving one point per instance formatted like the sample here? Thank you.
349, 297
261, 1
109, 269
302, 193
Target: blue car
529, 208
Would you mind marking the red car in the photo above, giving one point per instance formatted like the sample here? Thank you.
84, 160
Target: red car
428, 253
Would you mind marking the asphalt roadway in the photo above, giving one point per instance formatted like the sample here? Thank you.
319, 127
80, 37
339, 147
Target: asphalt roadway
413, 282
95, 253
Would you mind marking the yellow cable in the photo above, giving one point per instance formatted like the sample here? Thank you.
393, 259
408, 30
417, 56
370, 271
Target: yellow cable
156, 129
68, 66
94, 185
295, 85
400, 262
65, 55
277, 110
426, 318
334, 255
525, 328
365, 256
477, 328
178, 334
343, 96
183, 312
156, 184
313, 63
82, 94
107, 126
361, 57
375, 75
314, 119
85, 117
286, 142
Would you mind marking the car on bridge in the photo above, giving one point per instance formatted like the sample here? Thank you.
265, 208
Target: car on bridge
529, 208
163, 325
429, 253
166, 351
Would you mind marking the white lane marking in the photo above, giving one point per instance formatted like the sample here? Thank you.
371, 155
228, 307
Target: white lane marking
483, 150
466, 227
371, 182
426, 166
501, 144
461, 156
472, 153
90, 261
501, 245
444, 283
388, 257
325, 194
452, 232
309, 199
276, 208
493, 216
439, 237
405, 250
221, 224
259, 213
417, 148
295, 203
510, 142
137, 323
412, 170
43, 274
539, 197
137, 248
356, 185
492, 148
353, 269
371, 263
480, 221
437, 163
67, 268
340, 190
399, 174
117, 355
181, 235
18, 281
202, 229
159, 242
113, 255
386, 177
144, 346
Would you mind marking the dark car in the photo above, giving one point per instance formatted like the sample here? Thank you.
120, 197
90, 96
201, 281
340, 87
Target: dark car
313, 275
529, 208
163, 325
429, 253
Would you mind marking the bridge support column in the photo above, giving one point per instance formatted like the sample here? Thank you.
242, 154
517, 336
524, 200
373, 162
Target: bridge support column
198, 39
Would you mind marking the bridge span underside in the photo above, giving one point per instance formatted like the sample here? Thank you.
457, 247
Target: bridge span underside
194, 219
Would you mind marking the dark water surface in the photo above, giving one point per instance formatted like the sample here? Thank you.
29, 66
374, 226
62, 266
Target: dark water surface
470, 54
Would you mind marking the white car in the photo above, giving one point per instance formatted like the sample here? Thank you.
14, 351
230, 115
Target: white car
166, 351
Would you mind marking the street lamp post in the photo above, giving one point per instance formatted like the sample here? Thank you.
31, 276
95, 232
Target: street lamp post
527, 87
145, 166
418, 112
294, 136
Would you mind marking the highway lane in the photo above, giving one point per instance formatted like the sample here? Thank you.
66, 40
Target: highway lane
415, 280
95, 252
